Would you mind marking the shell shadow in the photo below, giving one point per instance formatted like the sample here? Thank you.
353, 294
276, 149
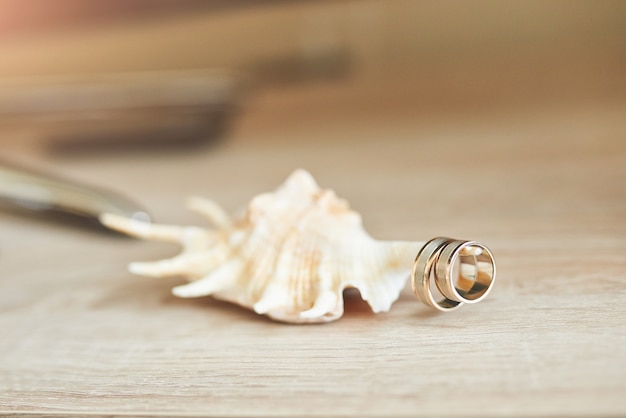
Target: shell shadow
147, 296
354, 305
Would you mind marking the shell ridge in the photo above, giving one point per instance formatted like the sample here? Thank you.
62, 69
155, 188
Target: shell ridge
281, 281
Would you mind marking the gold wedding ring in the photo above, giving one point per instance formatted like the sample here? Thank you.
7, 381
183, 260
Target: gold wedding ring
459, 271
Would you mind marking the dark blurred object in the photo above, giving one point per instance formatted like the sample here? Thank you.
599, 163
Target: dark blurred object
323, 65
42, 195
149, 110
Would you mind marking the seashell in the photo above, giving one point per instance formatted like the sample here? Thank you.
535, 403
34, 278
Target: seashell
289, 256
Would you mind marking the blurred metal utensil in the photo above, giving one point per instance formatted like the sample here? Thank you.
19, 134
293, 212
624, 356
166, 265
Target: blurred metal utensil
29, 190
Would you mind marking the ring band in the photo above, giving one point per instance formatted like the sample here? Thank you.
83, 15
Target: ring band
460, 271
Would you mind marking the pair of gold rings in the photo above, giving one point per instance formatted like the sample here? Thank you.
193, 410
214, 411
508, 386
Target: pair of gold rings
448, 273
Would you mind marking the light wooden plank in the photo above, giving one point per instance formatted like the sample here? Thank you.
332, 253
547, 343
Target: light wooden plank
544, 189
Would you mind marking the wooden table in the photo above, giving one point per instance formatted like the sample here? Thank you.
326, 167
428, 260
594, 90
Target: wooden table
543, 186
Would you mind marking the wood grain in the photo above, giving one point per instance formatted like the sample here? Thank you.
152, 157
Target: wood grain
543, 187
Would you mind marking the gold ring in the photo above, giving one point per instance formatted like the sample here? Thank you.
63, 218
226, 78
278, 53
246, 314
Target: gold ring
460, 271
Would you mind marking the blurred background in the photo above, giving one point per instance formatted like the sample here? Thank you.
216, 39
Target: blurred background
113, 90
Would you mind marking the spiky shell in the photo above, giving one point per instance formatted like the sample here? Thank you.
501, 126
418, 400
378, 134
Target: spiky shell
289, 256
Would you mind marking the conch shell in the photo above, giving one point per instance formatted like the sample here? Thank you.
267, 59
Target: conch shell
289, 256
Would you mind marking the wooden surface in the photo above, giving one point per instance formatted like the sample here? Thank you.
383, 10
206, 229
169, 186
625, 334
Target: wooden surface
543, 186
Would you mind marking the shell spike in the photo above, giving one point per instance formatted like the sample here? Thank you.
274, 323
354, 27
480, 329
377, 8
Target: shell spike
145, 230
220, 279
196, 263
211, 210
